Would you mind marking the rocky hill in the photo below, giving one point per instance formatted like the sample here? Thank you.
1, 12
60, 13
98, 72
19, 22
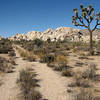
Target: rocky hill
60, 33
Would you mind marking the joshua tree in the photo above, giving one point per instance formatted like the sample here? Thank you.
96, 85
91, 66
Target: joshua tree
85, 19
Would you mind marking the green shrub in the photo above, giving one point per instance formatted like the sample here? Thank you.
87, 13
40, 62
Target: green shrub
38, 42
5, 46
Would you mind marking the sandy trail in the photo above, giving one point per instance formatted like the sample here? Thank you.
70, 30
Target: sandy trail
53, 85
9, 90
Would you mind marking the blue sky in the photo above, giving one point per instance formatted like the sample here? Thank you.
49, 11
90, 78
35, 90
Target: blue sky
21, 16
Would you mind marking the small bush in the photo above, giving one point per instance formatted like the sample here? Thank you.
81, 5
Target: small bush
85, 94
61, 58
27, 55
31, 56
90, 73
28, 83
38, 42
59, 66
47, 58
12, 61
75, 50
81, 53
5, 46
67, 72
5, 66
22, 53
12, 53
81, 82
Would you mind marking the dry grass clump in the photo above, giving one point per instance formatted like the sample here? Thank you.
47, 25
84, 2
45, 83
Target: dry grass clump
28, 84
81, 53
27, 55
80, 82
46, 58
58, 63
30, 56
22, 52
75, 50
5, 66
67, 72
12, 53
83, 80
90, 73
85, 94
61, 58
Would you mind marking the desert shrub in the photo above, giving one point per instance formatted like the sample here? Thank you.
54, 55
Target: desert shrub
22, 53
28, 83
59, 63
79, 64
5, 46
81, 53
12, 53
27, 55
48, 40
83, 57
61, 58
3, 50
46, 58
90, 73
85, 94
72, 84
75, 50
67, 72
31, 56
5, 66
81, 82
59, 66
38, 42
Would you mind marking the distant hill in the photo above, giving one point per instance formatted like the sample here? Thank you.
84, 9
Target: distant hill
60, 33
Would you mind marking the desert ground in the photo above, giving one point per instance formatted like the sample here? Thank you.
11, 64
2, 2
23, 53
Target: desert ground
49, 71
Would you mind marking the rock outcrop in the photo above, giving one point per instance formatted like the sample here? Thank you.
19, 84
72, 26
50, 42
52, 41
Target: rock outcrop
60, 33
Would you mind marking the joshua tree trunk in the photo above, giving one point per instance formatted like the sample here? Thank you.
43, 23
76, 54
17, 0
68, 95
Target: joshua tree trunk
91, 43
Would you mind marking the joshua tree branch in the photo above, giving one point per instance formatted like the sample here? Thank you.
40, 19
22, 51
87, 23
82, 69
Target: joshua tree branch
97, 23
86, 19
82, 22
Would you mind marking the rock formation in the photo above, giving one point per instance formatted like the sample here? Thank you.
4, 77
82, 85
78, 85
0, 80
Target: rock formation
60, 33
